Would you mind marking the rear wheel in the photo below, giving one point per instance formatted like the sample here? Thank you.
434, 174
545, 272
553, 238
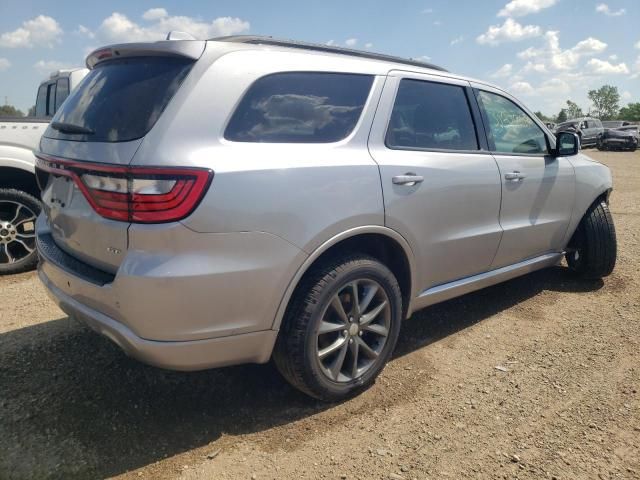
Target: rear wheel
340, 328
18, 212
593, 248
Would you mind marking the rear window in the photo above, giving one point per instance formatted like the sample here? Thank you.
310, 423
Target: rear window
300, 107
120, 100
429, 115
41, 102
62, 91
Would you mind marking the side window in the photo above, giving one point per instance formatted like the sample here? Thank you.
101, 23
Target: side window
41, 102
431, 115
511, 130
300, 107
62, 92
51, 100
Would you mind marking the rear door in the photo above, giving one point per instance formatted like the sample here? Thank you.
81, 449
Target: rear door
537, 189
441, 186
101, 124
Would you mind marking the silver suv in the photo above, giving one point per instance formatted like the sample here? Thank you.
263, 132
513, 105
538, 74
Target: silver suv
218, 202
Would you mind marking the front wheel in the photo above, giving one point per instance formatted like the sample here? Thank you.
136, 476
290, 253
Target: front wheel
18, 212
593, 248
340, 328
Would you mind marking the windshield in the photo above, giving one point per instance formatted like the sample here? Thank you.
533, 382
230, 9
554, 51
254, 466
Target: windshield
119, 100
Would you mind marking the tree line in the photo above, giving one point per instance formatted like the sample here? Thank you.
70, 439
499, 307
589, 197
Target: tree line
605, 106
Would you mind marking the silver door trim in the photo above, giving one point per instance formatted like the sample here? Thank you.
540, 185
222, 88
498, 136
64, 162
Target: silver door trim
456, 288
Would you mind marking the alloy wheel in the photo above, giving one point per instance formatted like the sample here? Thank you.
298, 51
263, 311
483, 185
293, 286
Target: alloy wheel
17, 232
353, 330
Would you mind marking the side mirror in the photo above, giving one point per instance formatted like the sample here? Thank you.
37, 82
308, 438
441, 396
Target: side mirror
567, 144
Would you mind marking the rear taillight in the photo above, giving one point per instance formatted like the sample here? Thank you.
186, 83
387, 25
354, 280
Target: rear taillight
134, 194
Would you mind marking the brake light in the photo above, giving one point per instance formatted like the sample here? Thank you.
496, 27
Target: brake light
134, 194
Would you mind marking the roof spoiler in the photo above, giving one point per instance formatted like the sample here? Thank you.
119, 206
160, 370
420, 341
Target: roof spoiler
166, 48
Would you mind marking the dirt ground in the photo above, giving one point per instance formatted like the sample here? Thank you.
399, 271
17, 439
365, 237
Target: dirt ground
564, 402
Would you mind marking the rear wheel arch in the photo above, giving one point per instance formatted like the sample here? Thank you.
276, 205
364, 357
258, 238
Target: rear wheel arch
381, 243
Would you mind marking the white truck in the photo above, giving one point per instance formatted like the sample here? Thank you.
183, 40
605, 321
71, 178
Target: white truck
19, 193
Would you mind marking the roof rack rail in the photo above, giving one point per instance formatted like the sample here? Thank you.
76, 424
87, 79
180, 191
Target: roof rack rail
264, 40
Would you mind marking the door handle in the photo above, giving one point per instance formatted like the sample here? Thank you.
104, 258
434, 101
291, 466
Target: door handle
408, 179
514, 176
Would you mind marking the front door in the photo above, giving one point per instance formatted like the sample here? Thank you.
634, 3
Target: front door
537, 189
441, 187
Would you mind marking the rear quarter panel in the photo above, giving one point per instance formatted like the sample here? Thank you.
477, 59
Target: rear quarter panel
303, 193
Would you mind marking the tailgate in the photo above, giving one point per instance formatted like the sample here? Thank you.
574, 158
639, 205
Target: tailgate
85, 152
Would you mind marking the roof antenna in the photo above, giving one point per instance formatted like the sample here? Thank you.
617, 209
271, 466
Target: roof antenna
177, 35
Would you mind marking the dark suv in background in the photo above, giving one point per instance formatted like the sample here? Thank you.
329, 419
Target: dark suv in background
588, 129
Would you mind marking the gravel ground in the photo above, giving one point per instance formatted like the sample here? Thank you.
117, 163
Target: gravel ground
538, 377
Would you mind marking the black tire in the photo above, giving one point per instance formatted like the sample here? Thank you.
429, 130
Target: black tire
593, 248
23, 260
295, 353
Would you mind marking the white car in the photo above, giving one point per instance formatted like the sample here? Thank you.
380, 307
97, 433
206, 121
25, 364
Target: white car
19, 194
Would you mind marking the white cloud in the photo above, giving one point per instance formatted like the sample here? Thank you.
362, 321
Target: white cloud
613, 57
155, 14
602, 67
437, 23
626, 95
427, 11
82, 30
45, 67
521, 88
553, 86
520, 8
351, 42
503, 71
509, 31
555, 58
534, 67
368, 45
637, 45
457, 40
41, 31
604, 8
331, 43
4, 64
118, 28
422, 58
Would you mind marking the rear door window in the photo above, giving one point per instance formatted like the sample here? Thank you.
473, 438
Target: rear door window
300, 107
121, 99
431, 116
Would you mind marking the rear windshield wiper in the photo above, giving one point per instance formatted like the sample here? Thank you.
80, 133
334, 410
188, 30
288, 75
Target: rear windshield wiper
71, 128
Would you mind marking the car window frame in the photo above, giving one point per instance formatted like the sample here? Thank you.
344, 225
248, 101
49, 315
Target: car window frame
487, 125
52, 88
478, 126
240, 98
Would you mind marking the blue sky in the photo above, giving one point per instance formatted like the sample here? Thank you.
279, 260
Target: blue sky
543, 51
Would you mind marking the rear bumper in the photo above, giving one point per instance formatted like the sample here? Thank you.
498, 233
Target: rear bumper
180, 300
252, 347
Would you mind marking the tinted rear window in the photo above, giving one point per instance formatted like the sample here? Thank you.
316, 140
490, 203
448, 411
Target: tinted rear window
429, 115
121, 99
299, 107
